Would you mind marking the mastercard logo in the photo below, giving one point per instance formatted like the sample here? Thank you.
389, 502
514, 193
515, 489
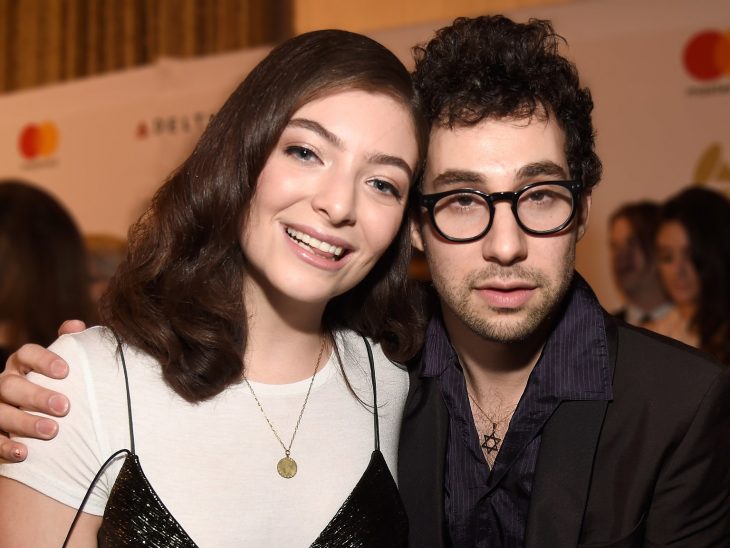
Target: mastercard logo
38, 140
707, 55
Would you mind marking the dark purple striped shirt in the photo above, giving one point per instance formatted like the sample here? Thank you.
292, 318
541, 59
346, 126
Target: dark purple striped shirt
488, 508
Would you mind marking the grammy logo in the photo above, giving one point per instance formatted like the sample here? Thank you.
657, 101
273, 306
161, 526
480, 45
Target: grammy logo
711, 170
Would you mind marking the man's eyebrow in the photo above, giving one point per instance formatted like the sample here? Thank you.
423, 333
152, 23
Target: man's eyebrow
537, 169
317, 128
458, 176
389, 160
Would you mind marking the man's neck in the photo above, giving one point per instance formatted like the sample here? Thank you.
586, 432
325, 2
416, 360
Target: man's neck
494, 371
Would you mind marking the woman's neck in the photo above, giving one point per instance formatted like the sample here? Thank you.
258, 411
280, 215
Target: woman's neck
284, 339
687, 311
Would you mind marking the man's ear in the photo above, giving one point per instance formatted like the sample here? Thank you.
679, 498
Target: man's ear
584, 212
416, 237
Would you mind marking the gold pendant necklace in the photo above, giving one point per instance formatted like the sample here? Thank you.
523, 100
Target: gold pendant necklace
287, 466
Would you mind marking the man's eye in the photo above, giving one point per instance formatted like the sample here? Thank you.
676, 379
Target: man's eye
464, 200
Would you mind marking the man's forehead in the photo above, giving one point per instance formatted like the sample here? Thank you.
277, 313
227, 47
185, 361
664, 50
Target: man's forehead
439, 129
509, 142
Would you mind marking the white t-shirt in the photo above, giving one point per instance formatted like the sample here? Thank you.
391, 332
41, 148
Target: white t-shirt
213, 464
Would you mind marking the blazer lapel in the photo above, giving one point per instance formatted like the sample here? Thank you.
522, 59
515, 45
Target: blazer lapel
563, 473
564, 468
421, 458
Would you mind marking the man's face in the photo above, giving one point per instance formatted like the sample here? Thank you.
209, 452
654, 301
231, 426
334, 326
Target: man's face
503, 286
632, 269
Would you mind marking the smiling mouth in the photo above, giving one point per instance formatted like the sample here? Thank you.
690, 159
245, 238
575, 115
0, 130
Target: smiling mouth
315, 246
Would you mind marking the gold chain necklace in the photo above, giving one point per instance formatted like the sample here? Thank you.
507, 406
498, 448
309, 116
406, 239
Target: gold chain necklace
287, 466
491, 442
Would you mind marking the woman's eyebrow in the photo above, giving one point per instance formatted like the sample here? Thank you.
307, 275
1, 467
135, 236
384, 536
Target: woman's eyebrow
390, 160
375, 158
317, 128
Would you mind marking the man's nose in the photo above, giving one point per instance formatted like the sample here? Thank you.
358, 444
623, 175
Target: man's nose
506, 242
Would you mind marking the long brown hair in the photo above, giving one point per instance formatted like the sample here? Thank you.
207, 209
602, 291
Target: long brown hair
179, 294
44, 275
705, 216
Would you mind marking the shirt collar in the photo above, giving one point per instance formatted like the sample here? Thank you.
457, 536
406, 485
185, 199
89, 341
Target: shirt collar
574, 364
438, 354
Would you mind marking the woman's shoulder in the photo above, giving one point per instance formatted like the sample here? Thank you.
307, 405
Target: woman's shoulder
353, 350
674, 326
97, 343
95, 358
92, 339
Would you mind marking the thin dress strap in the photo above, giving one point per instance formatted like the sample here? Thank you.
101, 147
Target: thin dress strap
129, 396
375, 394
115, 454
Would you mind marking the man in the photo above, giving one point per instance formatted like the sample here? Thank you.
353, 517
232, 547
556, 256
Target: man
533, 418
631, 232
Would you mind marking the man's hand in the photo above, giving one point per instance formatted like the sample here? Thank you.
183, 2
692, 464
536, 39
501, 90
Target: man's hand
18, 396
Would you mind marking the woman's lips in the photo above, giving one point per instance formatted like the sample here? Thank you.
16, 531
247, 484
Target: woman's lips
315, 245
317, 252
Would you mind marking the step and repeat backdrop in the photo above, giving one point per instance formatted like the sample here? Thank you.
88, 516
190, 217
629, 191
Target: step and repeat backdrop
659, 71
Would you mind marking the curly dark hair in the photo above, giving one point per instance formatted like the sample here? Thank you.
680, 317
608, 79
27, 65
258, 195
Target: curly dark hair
492, 67
179, 294
705, 215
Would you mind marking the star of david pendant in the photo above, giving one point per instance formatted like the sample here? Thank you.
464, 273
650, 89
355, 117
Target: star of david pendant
491, 441
287, 467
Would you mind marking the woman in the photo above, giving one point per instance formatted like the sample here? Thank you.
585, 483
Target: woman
43, 270
693, 253
260, 265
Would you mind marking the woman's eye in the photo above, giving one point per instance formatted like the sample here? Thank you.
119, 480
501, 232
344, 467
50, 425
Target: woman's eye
385, 187
301, 153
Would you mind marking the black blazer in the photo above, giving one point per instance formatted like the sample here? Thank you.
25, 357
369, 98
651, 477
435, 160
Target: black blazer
649, 468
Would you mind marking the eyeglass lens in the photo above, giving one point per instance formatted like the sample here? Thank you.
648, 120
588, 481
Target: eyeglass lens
540, 209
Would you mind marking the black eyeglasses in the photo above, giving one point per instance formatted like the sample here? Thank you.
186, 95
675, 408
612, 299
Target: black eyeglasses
466, 215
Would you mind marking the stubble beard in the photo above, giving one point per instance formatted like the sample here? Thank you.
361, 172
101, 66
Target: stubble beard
505, 325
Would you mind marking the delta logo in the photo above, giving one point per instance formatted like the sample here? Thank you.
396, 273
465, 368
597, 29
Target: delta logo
173, 124
706, 59
38, 141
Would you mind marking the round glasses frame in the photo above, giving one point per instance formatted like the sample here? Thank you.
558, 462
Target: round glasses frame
429, 201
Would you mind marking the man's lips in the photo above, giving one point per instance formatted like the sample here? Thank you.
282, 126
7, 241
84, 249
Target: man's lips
506, 296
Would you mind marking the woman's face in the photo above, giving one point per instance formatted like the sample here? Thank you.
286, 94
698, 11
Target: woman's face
677, 271
331, 196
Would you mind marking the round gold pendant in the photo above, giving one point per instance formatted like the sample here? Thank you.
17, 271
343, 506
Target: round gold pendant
286, 467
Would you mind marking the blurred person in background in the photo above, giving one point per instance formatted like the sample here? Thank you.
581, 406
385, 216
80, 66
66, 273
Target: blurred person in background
43, 268
105, 252
632, 231
693, 254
